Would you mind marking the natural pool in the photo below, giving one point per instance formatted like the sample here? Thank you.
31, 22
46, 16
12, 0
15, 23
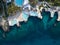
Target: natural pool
24, 15
14, 22
34, 32
18, 3
32, 13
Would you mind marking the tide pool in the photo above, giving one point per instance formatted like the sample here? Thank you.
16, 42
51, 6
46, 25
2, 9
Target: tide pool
25, 16
19, 3
32, 13
13, 22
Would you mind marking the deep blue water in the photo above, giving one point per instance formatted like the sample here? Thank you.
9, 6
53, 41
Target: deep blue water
34, 32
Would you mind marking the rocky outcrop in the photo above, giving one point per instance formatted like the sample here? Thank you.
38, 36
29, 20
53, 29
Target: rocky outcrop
4, 24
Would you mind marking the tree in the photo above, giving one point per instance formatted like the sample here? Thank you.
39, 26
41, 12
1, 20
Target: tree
33, 2
12, 9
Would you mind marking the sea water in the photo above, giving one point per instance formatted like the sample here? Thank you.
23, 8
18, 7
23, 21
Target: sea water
34, 32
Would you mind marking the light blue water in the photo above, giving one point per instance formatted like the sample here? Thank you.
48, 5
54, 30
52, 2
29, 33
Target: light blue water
32, 13
19, 2
14, 22
25, 16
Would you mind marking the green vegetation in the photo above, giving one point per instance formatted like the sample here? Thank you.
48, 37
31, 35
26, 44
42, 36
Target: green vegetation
52, 2
33, 2
8, 9
56, 3
12, 9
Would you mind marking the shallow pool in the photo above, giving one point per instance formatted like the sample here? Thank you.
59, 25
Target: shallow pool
13, 22
25, 16
19, 2
32, 13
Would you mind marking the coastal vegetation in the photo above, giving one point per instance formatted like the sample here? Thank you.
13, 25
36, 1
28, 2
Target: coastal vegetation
52, 2
55, 2
33, 2
8, 9
12, 9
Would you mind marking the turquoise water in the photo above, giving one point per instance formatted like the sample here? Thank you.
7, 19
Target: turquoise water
14, 22
34, 32
19, 2
32, 13
25, 16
